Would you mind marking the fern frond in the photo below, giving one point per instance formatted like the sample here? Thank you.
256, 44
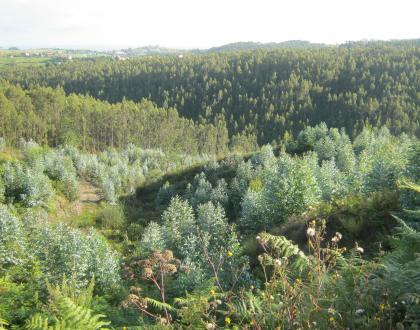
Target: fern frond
159, 305
3, 323
403, 225
409, 186
285, 248
70, 309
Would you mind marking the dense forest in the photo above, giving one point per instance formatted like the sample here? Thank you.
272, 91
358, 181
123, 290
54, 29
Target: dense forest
264, 189
50, 117
271, 94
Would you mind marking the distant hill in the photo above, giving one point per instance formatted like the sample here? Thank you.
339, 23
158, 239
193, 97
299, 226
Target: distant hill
236, 46
250, 45
151, 50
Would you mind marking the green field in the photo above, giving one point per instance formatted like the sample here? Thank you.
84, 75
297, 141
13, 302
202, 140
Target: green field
23, 60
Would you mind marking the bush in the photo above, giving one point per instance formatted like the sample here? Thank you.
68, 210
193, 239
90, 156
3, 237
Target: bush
60, 168
110, 217
331, 181
108, 189
11, 239
26, 184
291, 189
178, 220
164, 195
152, 239
64, 251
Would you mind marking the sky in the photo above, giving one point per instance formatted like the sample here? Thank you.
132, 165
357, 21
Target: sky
201, 23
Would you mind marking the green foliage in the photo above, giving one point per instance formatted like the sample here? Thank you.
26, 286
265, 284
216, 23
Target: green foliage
64, 251
409, 198
290, 189
281, 247
152, 239
178, 221
70, 310
248, 98
252, 96
50, 117
21, 291
12, 243
332, 182
164, 195
25, 184
60, 168
111, 217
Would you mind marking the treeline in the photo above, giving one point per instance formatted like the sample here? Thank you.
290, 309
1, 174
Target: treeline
267, 93
48, 116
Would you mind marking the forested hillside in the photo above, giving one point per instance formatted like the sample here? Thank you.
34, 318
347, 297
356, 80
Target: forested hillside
272, 94
142, 194
49, 117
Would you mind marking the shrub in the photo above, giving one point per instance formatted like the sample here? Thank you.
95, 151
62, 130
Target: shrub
111, 217
164, 195
108, 189
60, 168
331, 181
152, 239
37, 188
64, 251
11, 238
178, 220
26, 184
291, 189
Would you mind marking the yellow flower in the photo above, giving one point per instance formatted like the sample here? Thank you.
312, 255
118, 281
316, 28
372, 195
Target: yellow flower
382, 306
229, 254
212, 292
124, 327
331, 319
227, 320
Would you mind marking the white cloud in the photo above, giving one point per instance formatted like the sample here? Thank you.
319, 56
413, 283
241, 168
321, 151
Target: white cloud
200, 23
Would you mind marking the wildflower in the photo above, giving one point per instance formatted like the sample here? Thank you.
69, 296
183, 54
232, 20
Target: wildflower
337, 237
147, 272
310, 232
382, 307
359, 311
258, 237
212, 292
210, 326
227, 320
331, 319
360, 249
218, 301
277, 262
331, 310
229, 254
